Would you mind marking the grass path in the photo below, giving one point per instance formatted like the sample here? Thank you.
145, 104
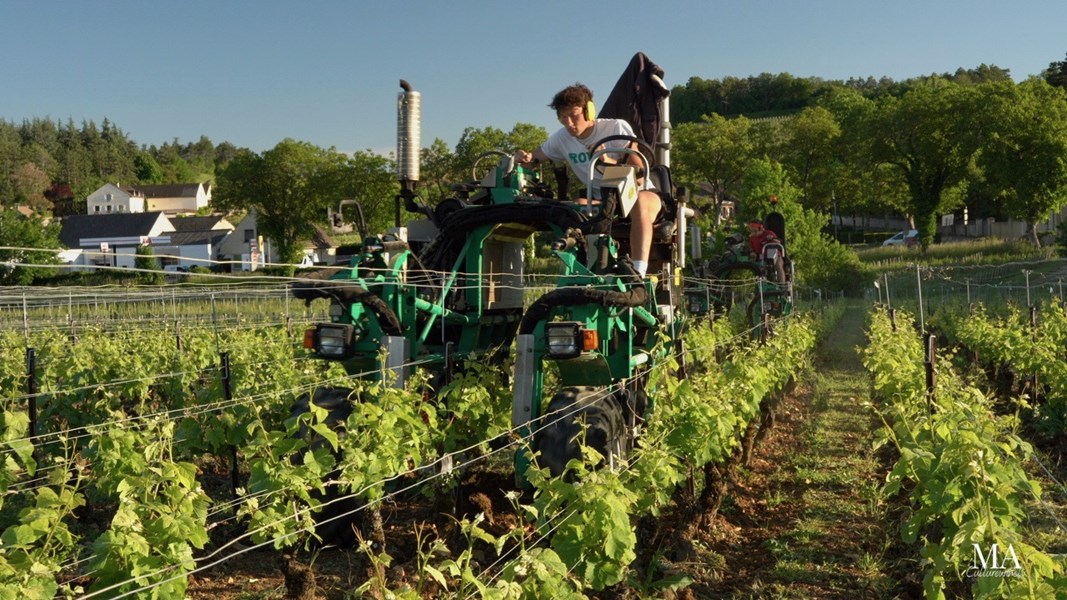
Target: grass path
804, 519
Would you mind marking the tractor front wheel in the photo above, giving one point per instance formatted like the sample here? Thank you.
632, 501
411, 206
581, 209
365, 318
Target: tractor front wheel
597, 412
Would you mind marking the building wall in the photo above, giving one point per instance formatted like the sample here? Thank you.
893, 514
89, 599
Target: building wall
173, 206
110, 199
1010, 229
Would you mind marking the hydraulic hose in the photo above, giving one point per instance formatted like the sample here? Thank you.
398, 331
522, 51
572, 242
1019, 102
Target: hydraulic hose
636, 296
348, 294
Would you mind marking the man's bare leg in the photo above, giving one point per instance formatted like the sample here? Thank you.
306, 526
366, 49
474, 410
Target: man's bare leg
642, 216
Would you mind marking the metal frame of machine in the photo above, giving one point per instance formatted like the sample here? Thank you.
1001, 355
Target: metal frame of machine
452, 284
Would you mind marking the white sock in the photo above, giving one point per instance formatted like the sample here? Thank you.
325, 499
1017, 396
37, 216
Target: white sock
641, 266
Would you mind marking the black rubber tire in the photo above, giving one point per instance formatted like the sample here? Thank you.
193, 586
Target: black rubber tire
755, 317
572, 408
331, 527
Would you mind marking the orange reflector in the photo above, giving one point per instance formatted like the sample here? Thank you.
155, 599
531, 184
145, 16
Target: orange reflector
309, 339
590, 340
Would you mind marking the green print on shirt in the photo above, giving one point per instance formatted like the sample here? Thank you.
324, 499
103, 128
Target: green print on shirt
579, 158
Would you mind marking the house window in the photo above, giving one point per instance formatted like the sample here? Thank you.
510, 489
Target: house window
250, 234
107, 197
108, 208
96, 208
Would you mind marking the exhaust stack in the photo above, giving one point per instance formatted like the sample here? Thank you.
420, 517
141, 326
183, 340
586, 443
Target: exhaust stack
408, 133
408, 145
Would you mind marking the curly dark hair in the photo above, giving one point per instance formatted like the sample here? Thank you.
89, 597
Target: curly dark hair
570, 96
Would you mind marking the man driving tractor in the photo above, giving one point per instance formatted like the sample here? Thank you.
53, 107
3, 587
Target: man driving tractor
573, 144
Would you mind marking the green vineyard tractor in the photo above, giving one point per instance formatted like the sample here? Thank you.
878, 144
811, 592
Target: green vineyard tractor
453, 283
764, 276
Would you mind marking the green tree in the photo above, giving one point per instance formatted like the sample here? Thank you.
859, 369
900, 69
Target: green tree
201, 156
525, 136
1056, 74
983, 73
31, 182
118, 154
74, 164
370, 179
10, 157
860, 182
713, 154
149, 271
224, 153
148, 169
928, 137
175, 168
697, 98
811, 155
475, 143
289, 186
18, 236
437, 168
1024, 154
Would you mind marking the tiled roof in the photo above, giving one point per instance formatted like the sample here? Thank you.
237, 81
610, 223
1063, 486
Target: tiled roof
171, 190
76, 227
182, 224
192, 238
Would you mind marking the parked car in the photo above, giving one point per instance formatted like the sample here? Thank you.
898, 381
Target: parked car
903, 238
173, 269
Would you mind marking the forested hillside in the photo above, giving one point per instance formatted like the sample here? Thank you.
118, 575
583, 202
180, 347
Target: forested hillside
769, 94
44, 161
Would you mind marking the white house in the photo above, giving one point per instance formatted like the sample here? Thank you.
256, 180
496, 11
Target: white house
112, 239
176, 199
172, 199
195, 241
249, 249
111, 199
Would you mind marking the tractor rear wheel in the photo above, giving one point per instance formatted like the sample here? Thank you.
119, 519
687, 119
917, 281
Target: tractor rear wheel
572, 410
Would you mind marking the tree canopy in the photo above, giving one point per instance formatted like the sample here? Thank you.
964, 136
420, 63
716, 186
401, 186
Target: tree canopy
928, 138
1024, 157
18, 235
291, 186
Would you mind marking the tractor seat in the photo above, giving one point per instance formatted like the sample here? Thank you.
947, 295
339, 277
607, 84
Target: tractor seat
662, 230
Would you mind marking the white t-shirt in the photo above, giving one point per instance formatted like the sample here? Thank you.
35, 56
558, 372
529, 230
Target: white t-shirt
563, 146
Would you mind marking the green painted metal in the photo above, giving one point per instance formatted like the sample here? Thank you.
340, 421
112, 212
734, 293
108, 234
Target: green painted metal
458, 307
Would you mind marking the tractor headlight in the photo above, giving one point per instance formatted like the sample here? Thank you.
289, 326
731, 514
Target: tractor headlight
330, 341
568, 339
562, 339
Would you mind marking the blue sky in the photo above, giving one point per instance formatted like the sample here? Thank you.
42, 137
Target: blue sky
327, 72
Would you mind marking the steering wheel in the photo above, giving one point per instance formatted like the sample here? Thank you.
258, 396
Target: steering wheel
645, 152
483, 156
